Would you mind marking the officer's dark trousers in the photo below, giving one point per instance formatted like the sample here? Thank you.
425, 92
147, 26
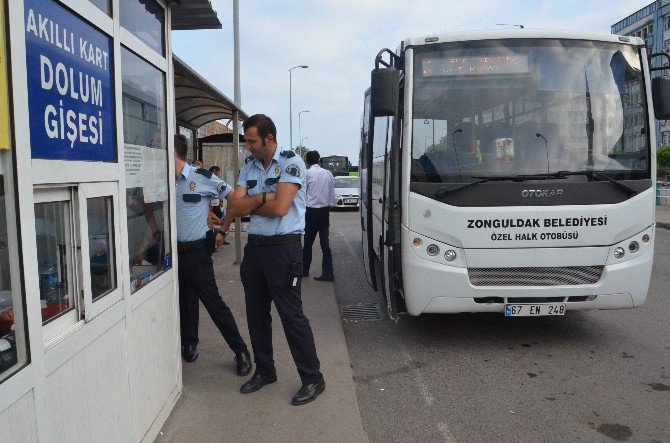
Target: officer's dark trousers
196, 280
265, 272
317, 220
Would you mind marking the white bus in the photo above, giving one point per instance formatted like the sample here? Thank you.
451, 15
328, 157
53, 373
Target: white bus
511, 171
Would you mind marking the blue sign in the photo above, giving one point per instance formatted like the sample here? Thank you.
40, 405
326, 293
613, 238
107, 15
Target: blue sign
70, 85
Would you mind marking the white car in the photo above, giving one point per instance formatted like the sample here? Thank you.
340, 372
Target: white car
346, 192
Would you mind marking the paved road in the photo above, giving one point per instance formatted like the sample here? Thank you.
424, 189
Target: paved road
589, 376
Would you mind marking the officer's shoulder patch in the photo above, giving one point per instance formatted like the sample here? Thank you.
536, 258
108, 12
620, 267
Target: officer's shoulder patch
293, 169
248, 159
221, 187
287, 154
204, 172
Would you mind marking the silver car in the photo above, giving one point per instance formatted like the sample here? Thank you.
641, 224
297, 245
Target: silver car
346, 192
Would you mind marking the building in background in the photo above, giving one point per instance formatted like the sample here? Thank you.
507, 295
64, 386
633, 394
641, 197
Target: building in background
214, 128
652, 24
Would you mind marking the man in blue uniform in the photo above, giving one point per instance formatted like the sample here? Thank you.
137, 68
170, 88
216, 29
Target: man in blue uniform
271, 188
195, 188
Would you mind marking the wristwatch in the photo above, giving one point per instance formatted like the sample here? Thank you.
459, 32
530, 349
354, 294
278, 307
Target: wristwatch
265, 194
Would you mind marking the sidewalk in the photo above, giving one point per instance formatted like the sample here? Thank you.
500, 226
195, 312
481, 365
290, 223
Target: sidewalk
212, 409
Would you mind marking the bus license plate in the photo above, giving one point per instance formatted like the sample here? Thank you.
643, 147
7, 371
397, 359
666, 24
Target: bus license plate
534, 309
350, 200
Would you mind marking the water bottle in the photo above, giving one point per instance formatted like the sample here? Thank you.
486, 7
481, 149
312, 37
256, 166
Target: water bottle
49, 282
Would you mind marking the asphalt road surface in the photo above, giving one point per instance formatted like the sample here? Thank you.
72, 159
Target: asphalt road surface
585, 376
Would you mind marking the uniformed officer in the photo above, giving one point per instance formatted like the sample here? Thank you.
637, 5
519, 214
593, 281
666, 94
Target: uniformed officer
271, 188
194, 190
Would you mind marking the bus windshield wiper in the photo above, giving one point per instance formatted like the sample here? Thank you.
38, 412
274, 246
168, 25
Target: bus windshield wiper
600, 175
443, 192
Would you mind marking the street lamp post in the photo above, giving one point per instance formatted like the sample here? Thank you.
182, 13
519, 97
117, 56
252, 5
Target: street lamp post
299, 130
290, 101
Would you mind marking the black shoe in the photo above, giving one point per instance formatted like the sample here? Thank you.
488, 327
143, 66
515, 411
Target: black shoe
243, 360
308, 393
324, 278
189, 353
258, 381
305, 274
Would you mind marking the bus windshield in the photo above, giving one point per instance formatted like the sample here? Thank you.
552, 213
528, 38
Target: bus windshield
514, 107
337, 164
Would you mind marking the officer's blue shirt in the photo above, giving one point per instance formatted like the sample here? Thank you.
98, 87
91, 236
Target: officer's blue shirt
195, 189
285, 167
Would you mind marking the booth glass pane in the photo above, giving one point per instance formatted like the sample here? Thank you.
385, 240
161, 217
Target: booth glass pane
53, 227
101, 246
104, 5
13, 326
146, 168
145, 19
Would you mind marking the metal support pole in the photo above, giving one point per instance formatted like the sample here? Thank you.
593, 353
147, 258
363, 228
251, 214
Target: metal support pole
236, 124
236, 161
290, 103
290, 109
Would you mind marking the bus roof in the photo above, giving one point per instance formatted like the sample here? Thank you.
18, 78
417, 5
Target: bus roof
497, 34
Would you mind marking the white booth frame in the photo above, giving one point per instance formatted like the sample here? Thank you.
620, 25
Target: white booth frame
115, 353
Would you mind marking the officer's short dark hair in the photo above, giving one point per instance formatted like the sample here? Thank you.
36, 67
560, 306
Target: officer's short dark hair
312, 157
180, 146
263, 124
215, 170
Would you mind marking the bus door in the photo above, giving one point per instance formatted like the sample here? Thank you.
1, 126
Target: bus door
386, 141
365, 163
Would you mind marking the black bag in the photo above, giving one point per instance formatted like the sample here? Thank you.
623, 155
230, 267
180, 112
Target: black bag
210, 241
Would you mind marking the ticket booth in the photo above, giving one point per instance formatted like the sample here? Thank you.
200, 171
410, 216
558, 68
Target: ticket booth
89, 330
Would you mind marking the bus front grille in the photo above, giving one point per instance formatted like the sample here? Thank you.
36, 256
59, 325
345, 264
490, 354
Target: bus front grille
569, 275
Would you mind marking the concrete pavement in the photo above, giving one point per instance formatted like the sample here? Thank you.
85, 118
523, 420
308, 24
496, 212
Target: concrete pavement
663, 216
211, 407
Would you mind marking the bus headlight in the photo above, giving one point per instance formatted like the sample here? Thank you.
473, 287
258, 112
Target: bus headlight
619, 252
450, 255
433, 250
631, 248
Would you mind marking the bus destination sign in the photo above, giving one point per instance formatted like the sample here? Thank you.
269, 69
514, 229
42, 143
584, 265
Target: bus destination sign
482, 65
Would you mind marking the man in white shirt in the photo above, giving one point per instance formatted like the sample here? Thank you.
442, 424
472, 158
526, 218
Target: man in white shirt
320, 195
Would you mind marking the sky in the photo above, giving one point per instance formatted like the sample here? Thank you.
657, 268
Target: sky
338, 40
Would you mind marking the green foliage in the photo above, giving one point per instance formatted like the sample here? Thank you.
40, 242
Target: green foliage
662, 173
663, 157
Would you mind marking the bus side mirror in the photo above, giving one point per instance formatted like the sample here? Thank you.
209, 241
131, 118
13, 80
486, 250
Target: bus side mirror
384, 90
660, 94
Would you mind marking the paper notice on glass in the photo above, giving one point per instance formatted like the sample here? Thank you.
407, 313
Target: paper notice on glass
161, 174
154, 174
149, 175
133, 162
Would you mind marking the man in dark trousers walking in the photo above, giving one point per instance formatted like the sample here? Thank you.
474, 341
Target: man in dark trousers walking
271, 188
194, 190
320, 195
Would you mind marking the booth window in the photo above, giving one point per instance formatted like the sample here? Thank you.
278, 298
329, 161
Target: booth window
55, 232
104, 5
145, 149
145, 19
13, 325
77, 253
100, 215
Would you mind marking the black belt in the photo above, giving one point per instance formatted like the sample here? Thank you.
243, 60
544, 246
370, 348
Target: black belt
183, 246
260, 240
